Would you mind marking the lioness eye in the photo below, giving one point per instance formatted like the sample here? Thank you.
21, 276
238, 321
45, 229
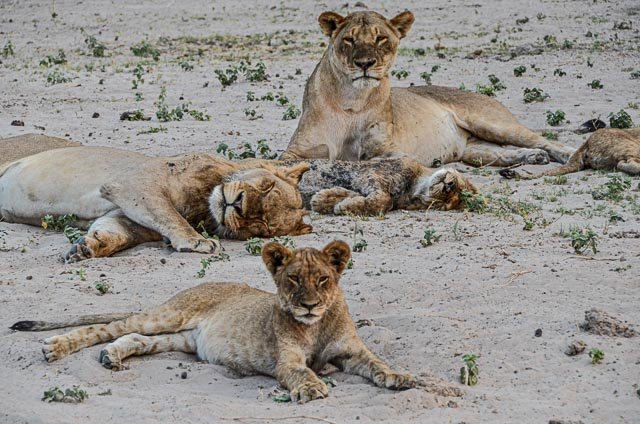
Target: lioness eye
348, 41
322, 281
380, 39
293, 279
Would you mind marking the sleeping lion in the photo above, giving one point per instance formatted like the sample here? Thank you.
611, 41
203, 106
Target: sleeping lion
132, 198
350, 111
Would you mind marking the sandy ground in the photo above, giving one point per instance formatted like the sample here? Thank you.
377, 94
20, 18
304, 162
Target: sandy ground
484, 288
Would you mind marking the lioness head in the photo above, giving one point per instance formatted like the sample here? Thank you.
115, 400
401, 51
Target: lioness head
260, 202
364, 44
443, 190
307, 279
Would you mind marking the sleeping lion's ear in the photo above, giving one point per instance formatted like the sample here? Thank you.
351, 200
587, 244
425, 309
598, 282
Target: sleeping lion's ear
329, 22
339, 253
295, 172
402, 23
275, 256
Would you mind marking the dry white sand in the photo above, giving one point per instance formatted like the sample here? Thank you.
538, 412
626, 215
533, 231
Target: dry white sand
485, 287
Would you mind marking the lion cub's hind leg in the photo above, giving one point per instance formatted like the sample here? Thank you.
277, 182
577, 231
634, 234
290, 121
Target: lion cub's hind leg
630, 166
325, 200
108, 235
113, 354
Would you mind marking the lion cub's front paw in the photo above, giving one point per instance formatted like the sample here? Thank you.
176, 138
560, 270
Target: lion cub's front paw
309, 391
84, 249
110, 359
199, 245
396, 381
325, 200
55, 348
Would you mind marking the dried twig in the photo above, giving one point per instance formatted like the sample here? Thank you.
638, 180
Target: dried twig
297, 417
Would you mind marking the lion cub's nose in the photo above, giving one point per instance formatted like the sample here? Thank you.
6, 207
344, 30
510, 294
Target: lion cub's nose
365, 63
309, 304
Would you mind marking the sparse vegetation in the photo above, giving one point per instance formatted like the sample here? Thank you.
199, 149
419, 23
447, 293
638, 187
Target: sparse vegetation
490, 90
555, 118
292, 112
473, 202
400, 73
73, 234
205, 263
96, 48
559, 72
621, 119
430, 237
518, 71
254, 246
534, 95
583, 239
246, 150
57, 223
146, 49
50, 60
73, 395
138, 79
550, 135
103, 287
8, 50
469, 372
612, 189
230, 75
595, 84
596, 355
56, 77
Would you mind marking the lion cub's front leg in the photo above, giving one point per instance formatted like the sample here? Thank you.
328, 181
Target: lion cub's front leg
303, 384
357, 359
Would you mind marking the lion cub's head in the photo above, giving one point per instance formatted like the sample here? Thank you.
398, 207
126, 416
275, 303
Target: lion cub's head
307, 279
260, 202
364, 44
443, 190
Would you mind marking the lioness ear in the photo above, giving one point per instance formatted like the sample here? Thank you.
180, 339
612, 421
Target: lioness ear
295, 172
275, 256
329, 22
402, 23
339, 254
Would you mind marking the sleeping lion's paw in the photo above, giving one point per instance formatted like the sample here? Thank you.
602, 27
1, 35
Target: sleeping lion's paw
55, 348
396, 381
325, 200
535, 157
110, 359
309, 390
197, 244
84, 248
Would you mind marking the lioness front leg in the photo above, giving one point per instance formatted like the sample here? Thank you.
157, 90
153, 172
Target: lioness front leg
108, 235
359, 360
481, 153
303, 384
155, 211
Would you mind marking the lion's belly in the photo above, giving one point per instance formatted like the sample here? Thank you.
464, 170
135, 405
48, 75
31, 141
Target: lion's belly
28, 191
424, 130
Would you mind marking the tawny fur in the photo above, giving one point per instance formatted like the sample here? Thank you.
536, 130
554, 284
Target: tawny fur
134, 198
610, 148
18, 147
289, 335
350, 111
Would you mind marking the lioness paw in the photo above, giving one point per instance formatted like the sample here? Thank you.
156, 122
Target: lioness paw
83, 249
396, 381
199, 245
535, 157
110, 359
55, 348
309, 391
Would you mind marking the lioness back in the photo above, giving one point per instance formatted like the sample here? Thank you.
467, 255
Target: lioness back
18, 147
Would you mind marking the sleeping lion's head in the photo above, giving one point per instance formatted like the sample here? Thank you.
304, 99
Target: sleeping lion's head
260, 202
307, 279
444, 189
364, 44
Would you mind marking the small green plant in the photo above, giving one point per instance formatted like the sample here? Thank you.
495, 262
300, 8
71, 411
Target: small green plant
359, 243
227, 76
555, 118
103, 287
292, 112
519, 71
138, 73
596, 355
634, 74
146, 49
559, 72
621, 119
612, 189
251, 96
96, 48
136, 115
473, 202
246, 150
281, 99
186, 65
8, 50
252, 114
57, 223
558, 180
73, 234
56, 77
550, 40
205, 263
550, 135
50, 60
430, 237
153, 130
256, 74
264, 150
203, 231
269, 97
254, 246
73, 395
534, 95
490, 90
583, 239
82, 273
400, 74
198, 115
469, 372
164, 113
286, 241
595, 84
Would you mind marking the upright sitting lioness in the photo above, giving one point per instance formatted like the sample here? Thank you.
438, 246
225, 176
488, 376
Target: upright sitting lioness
132, 198
289, 335
350, 111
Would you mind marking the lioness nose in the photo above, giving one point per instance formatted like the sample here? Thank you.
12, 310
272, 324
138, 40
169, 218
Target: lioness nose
365, 63
309, 304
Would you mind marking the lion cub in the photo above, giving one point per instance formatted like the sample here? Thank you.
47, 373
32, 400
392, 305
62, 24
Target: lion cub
289, 335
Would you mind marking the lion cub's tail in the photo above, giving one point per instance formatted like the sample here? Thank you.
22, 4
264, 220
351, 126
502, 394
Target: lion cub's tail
71, 322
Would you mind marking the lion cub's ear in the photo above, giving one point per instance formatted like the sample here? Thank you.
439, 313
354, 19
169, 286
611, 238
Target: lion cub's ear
295, 172
329, 22
339, 253
275, 256
402, 23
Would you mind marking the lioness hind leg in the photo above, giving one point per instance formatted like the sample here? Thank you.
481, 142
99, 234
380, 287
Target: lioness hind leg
113, 354
325, 200
482, 153
108, 235
631, 166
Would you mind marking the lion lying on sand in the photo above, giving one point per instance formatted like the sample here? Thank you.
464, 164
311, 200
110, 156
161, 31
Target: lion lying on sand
350, 111
289, 335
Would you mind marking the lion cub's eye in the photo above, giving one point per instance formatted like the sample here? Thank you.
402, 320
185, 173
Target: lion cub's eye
348, 41
294, 279
380, 39
322, 281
